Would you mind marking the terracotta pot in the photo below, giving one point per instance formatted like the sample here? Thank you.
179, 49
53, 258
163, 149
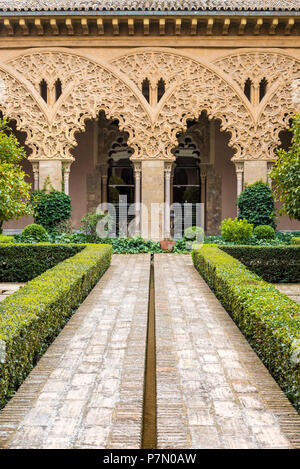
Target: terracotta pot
167, 245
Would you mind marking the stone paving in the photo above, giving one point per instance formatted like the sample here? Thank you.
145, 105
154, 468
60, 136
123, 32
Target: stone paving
8, 288
87, 390
212, 390
290, 289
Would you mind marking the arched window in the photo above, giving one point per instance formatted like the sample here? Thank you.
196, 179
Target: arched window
161, 89
247, 88
262, 88
44, 90
146, 89
58, 89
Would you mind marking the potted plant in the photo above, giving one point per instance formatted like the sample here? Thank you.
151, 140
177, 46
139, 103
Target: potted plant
167, 245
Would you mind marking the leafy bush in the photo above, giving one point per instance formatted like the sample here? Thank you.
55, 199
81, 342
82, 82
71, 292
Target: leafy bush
194, 233
14, 191
36, 232
264, 232
286, 174
50, 208
32, 317
269, 319
90, 222
256, 204
273, 263
296, 241
6, 239
23, 262
236, 230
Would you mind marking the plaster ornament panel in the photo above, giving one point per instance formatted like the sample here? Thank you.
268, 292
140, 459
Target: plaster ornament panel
258, 65
90, 88
205, 91
17, 103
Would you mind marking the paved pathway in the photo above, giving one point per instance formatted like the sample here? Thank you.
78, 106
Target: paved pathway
87, 390
212, 390
9, 288
290, 289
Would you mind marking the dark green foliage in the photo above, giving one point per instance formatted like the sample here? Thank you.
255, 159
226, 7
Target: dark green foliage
264, 232
273, 263
51, 208
236, 230
35, 232
269, 319
31, 318
256, 205
6, 239
23, 262
286, 174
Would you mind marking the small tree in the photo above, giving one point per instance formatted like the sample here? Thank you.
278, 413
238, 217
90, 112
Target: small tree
286, 175
14, 191
256, 204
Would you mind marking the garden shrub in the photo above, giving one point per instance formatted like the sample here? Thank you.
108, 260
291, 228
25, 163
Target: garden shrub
35, 232
269, 319
194, 233
256, 204
32, 317
264, 232
273, 263
296, 241
51, 208
23, 262
236, 230
6, 239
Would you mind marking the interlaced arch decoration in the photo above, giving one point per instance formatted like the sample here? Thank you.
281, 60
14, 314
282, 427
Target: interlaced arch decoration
87, 88
282, 97
191, 86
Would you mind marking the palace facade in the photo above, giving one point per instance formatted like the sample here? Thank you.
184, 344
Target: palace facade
160, 101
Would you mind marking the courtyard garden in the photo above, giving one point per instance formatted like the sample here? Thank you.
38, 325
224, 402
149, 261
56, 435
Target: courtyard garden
58, 267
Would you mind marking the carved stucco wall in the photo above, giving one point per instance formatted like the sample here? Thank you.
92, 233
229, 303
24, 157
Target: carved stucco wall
89, 86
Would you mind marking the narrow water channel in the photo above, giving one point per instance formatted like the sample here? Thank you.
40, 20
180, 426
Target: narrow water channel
149, 440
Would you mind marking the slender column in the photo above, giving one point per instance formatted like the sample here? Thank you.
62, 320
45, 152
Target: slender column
137, 178
35, 168
67, 167
239, 167
168, 170
269, 169
104, 169
203, 176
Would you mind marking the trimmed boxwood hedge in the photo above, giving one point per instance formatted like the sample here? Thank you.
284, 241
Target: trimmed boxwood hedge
269, 319
296, 241
273, 263
23, 262
32, 317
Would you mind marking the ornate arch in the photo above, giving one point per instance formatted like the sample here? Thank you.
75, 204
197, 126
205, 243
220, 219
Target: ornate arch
88, 88
282, 98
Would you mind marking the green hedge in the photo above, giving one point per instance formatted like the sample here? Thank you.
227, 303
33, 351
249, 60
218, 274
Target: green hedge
273, 263
32, 317
23, 262
269, 319
296, 241
6, 239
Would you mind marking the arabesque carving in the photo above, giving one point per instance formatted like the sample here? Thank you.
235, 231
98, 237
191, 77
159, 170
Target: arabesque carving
191, 87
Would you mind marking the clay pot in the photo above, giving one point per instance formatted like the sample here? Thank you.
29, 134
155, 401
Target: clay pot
167, 245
